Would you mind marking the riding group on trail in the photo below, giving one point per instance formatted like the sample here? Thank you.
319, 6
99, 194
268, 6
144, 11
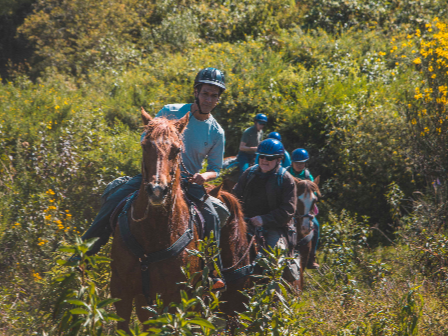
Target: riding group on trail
161, 213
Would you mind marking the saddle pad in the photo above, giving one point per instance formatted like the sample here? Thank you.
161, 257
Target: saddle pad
113, 219
221, 210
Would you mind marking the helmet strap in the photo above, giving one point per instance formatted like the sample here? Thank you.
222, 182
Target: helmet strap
199, 106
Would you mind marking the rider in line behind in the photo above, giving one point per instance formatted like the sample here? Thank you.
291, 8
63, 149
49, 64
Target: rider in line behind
250, 140
268, 193
286, 162
202, 138
298, 169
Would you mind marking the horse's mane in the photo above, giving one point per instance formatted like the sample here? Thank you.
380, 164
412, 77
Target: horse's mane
236, 219
306, 187
164, 129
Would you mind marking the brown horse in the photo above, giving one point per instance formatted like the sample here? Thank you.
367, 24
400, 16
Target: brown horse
306, 191
157, 218
230, 178
235, 252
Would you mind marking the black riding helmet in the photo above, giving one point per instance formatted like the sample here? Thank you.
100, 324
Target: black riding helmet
210, 76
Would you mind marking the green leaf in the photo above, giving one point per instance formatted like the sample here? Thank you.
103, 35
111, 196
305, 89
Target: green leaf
77, 302
202, 322
114, 317
78, 311
107, 302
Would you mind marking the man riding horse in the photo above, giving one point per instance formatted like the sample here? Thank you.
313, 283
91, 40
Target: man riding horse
268, 193
250, 140
202, 138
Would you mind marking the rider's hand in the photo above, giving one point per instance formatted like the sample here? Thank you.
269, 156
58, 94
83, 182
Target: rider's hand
197, 178
257, 221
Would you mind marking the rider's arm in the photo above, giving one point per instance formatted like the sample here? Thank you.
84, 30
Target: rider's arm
281, 216
245, 148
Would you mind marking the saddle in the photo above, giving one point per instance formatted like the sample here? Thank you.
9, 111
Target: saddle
199, 219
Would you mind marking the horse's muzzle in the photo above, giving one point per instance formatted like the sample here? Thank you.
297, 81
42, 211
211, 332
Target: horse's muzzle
156, 193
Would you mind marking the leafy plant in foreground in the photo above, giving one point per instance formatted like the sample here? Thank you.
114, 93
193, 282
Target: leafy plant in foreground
83, 312
271, 309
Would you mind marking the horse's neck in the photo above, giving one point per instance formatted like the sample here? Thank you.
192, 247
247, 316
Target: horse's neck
163, 225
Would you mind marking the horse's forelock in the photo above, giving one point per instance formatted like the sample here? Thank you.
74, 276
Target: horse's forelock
162, 133
307, 186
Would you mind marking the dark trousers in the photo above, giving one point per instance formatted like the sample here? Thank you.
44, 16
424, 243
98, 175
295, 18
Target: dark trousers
316, 236
244, 161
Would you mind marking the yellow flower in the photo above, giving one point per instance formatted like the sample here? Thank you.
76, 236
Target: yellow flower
50, 192
417, 61
48, 217
36, 276
413, 121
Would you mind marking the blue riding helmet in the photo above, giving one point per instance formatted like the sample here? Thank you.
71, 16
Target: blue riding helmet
300, 155
271, 147
210, 76
275, 135
261, 118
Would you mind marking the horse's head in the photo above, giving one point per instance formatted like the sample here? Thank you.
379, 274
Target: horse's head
162, 147
307, 192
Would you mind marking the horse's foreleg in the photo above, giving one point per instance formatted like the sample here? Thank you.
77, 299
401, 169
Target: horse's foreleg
124, 306
143, 314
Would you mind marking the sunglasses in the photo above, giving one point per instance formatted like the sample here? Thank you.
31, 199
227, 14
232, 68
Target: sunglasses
268, 158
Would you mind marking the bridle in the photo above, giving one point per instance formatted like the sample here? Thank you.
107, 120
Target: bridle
152, 187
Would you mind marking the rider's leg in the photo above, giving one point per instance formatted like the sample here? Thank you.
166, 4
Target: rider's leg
101, 226
316, 237
312, 258
272, 236
244, 160
212, 223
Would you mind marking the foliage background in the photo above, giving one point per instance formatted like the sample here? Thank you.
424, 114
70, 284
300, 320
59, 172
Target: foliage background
360, 84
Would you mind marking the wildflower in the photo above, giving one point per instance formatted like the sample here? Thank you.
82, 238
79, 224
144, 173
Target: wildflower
413, 121
36, 276
417, 61
48, 217
50, 192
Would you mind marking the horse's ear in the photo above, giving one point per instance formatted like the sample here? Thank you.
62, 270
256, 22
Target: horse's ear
216, 191
317, 180
146, 118
182, 123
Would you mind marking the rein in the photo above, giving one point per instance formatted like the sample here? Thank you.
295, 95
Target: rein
244, 255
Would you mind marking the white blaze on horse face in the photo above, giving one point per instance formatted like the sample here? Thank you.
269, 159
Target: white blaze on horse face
307, 201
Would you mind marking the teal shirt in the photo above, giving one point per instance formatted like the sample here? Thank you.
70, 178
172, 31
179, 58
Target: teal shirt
300, 175
202, 139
